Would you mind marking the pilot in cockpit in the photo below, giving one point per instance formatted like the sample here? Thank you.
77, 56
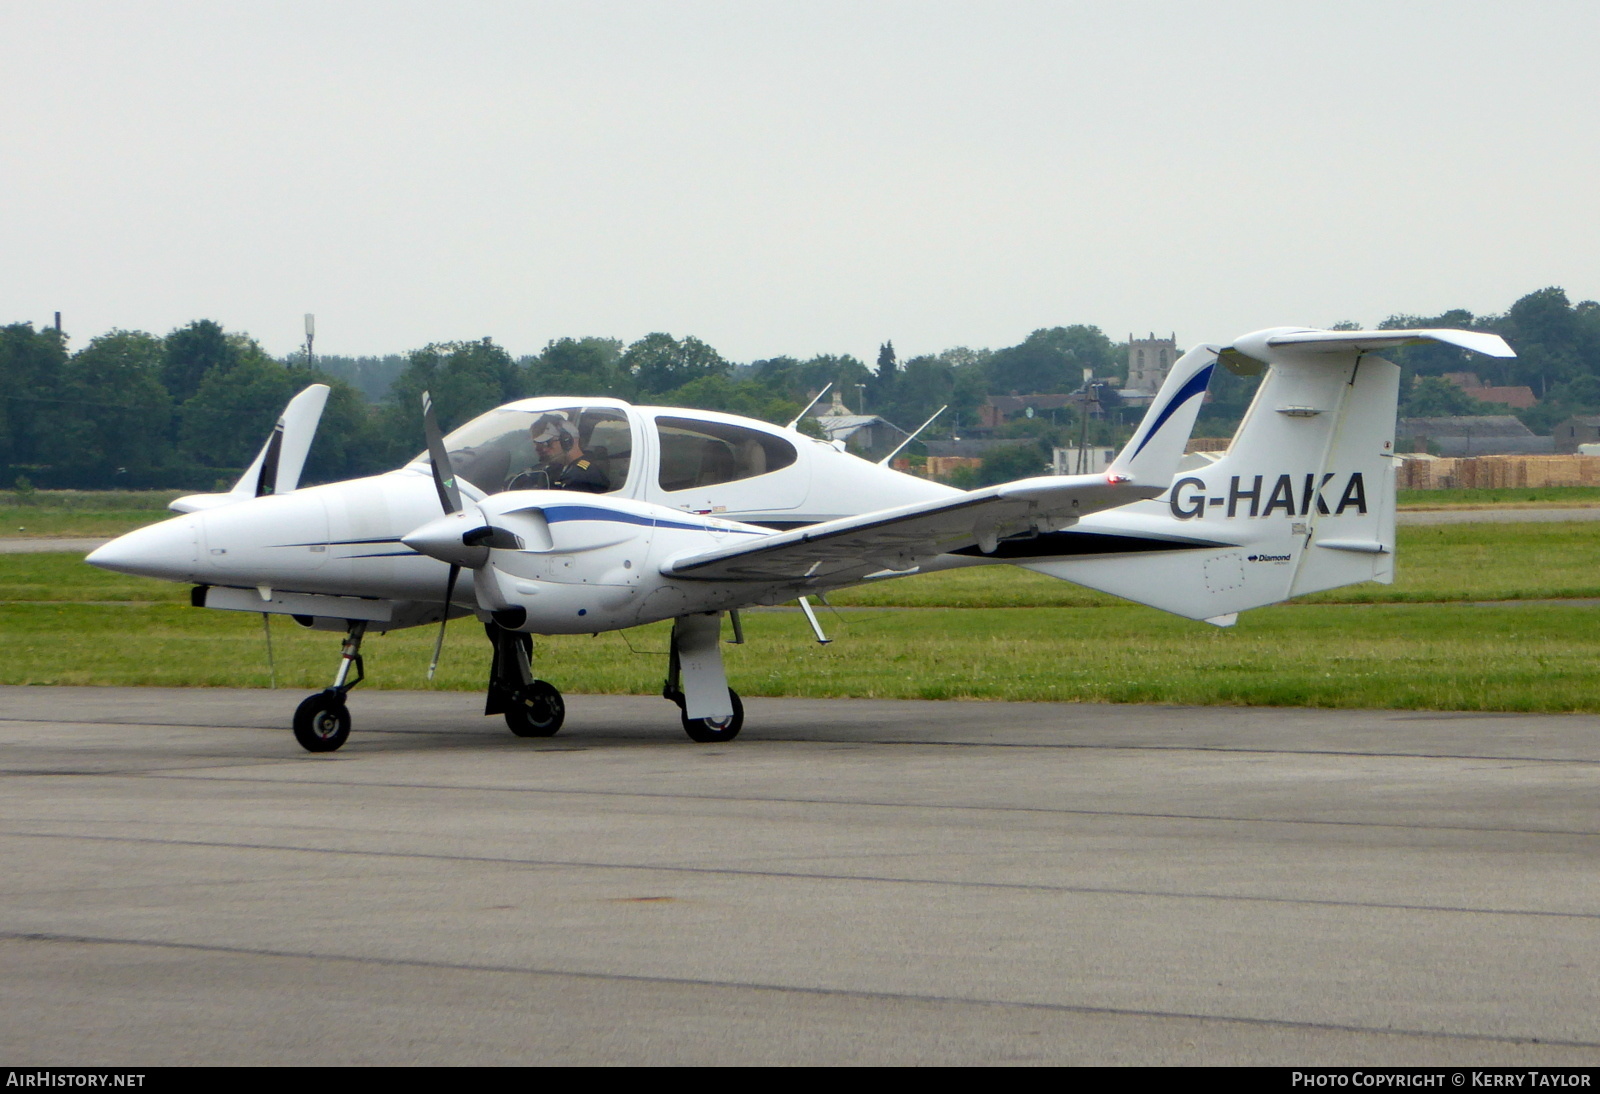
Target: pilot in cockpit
562, 464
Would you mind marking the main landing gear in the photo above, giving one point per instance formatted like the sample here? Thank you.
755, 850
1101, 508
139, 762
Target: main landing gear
322, 721
532, 708
696, 681
711, 711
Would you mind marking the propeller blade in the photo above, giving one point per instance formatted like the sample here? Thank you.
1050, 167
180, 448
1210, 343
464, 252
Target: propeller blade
444, 620
444, 477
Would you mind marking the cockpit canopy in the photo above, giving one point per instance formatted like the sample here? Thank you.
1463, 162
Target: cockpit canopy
495, 452
493, 449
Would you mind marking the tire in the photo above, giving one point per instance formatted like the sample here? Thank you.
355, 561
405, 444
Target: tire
535, 710
322, 722
716, 730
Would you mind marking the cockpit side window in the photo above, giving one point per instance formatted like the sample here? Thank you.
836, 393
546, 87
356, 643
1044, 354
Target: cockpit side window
697, 453
607, 441
495, 448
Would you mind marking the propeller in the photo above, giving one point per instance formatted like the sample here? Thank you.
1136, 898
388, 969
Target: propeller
444, 481
456, 538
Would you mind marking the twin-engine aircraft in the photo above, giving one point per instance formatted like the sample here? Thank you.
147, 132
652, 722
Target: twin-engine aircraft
690, 515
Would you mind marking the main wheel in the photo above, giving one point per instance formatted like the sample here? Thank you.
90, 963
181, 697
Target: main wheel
322, 722
713, 730
535, 710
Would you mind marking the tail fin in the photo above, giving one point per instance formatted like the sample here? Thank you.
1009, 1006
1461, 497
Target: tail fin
1302, 501
1152, 455
276, 468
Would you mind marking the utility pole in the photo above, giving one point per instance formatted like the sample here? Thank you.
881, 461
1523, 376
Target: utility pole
311, 334
1083, 422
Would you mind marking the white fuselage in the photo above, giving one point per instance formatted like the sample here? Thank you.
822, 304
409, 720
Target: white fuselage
689, 481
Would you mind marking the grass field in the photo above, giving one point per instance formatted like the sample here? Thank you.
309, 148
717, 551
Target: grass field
82, 512
993, 633
1525, 657
1500, 497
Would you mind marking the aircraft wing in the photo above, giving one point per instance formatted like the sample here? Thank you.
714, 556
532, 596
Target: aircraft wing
843, 551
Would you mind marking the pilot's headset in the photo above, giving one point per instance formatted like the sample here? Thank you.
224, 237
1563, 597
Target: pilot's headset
553, 426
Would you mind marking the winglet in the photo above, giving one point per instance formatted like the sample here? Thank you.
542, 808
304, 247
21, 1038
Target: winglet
1151, 457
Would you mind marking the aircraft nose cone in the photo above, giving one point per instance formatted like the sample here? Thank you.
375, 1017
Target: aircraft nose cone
441, 539
169, 550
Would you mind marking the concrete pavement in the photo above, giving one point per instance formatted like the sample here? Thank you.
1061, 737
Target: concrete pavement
850, 881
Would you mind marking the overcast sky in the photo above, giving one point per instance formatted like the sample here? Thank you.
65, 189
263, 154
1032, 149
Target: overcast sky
789, 177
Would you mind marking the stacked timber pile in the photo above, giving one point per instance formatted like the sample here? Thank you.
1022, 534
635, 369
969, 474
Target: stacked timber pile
940, 466
1420, 472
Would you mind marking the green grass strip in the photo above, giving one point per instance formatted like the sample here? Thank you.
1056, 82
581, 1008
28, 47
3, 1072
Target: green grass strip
1520, 657
987, 633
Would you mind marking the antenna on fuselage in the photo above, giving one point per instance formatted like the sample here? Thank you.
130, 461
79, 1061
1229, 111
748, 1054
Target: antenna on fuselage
809, 405
913, 435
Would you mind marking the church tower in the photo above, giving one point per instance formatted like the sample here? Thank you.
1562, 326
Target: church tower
1149, 361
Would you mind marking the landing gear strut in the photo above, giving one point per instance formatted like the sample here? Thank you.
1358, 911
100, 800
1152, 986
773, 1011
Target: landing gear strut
532, 708
322, 721
695, 666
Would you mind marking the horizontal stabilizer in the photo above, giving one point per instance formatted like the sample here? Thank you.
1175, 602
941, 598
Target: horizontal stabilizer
1257, 348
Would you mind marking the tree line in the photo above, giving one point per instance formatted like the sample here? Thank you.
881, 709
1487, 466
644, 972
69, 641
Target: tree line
135, 410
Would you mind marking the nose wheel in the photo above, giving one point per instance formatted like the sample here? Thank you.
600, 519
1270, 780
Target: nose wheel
322, 722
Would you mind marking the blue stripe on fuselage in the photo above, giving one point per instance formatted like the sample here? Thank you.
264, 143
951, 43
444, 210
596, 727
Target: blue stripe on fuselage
555, 514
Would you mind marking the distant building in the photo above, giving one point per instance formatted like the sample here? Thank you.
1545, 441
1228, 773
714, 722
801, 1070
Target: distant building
1583, 429
1087, 461
1463, 435
999, 409
1149, 361
1517, 398
863, 433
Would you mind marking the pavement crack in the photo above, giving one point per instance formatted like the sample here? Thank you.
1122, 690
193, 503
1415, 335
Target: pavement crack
795, 989
807, 875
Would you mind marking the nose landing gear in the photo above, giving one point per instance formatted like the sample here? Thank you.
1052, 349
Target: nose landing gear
322, 721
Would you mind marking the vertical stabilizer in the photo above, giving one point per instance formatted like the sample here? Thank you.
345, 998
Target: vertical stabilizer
1303, 500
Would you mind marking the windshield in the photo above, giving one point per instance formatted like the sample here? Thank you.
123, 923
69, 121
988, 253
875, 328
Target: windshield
495, 452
